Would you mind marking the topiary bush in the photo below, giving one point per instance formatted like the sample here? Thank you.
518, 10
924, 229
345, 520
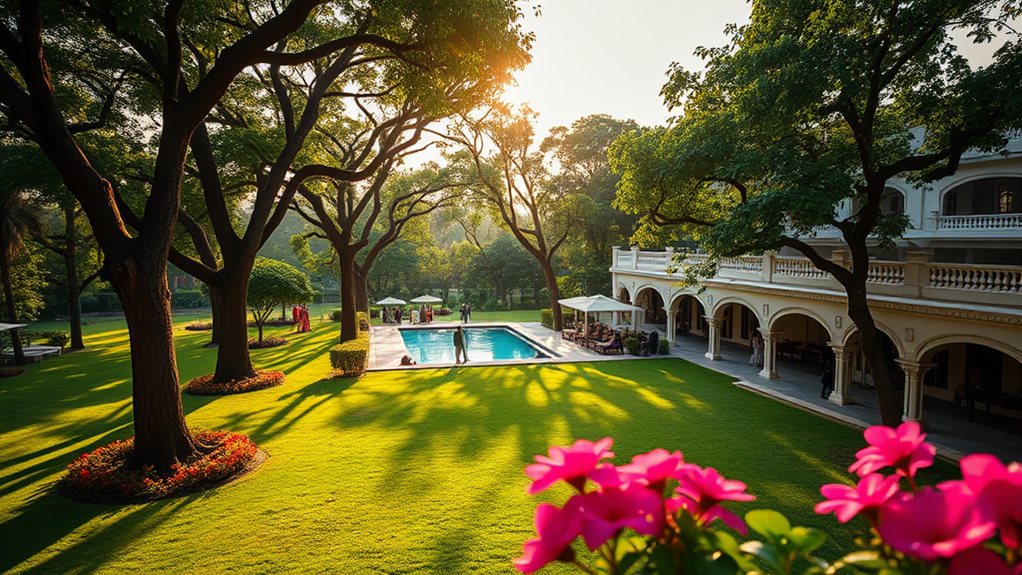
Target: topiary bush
351, 358
546, 317
665, 347
335, 314
632, 343
189, 299
200, 325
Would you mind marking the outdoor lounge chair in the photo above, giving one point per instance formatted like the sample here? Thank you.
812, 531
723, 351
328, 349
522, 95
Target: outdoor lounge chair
605, 347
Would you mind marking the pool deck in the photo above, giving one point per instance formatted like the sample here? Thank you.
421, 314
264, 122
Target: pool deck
388, 347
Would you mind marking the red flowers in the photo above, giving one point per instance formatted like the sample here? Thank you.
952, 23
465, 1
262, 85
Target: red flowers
571, 464
630, 496
934, 524
204, 385
702, 490
103, 474
902, 448
867, 497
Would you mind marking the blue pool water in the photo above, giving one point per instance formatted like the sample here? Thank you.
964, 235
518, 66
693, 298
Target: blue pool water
482, 344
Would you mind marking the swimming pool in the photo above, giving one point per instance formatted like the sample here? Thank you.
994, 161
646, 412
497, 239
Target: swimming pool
434, 345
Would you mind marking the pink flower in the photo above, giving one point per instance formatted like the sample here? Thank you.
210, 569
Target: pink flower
999, 491
868, 496
651, 469
902, 448
571, 464
556, 528
932, 524
609, 511
700, 492
980, 560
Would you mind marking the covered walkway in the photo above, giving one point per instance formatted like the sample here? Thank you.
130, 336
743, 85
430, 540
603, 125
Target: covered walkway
953, 434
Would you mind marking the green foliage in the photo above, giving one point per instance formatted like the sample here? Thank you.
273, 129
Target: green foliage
335, 314
664, 347
546, 317
57, 337
28, 280
351, 358
189, 299
274, 283
632, 343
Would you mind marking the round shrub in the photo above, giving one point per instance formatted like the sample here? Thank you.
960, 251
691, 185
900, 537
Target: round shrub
351, 358
104, 475
204, 384
268, 341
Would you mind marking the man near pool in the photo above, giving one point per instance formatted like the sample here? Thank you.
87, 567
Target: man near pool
460, 356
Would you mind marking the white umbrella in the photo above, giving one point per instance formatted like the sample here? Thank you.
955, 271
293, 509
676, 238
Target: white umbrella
391, 301
596, 304
427, 299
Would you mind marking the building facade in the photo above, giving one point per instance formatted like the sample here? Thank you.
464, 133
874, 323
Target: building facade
948, 297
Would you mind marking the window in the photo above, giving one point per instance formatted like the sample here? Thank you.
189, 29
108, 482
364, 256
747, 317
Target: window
951, 203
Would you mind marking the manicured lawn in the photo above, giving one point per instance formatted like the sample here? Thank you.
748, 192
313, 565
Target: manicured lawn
398, 472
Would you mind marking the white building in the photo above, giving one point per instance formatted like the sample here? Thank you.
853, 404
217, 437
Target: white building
948, 297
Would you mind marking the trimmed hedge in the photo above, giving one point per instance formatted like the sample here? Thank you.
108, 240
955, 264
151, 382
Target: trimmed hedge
351, 358
546, 317
363, 321
665, 347
335, 314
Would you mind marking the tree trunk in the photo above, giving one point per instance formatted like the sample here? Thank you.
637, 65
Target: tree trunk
215, 307
349, 289
361, 291
12, 312
880, 365
233, 361
554, 292
161, 434
74, 284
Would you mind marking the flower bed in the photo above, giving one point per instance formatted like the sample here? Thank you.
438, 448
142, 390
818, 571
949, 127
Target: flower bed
199, 325
272, 323
661, 514
268, 341
204, 385
11, 371
103, 474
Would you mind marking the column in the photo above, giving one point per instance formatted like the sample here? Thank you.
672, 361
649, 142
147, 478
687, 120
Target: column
713, 351
913, 410
670, 326
635, 258
769, 370
842, 374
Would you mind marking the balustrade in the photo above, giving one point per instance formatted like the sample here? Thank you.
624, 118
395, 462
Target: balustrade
981, 222
976, 278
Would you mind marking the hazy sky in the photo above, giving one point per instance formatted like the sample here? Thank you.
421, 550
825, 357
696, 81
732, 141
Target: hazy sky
611, 56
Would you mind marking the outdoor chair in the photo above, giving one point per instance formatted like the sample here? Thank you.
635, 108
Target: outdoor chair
605, 347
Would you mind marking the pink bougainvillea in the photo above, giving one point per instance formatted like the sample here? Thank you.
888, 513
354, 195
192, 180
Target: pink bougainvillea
903, 449
702, 490
867, 497
569, 464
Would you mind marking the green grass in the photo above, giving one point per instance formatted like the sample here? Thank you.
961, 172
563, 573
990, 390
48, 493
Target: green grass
398, 472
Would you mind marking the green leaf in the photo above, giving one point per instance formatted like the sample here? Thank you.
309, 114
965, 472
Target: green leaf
768, 523
805, 539
767, 552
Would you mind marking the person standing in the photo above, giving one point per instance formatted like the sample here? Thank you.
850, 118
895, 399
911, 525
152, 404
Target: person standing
461, 313
757, 350
468, 312
827, 379
305, 319
397, 315
460, 355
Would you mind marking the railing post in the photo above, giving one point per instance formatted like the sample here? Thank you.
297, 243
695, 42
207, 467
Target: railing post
917, 271
767, 269
615, 254
934, 220
635, 257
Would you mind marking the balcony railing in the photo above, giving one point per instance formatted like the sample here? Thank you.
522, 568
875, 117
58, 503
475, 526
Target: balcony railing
981, 222
914, 278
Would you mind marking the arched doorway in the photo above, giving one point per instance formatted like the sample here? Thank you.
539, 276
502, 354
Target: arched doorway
973, 380
689, 316
731, 330
859, 374
649, 299
801, 340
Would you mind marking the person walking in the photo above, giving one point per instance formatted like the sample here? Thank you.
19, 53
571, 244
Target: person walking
461, 313
827, 379
460, 355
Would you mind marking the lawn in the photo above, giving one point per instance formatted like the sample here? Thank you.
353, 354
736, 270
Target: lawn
398, 472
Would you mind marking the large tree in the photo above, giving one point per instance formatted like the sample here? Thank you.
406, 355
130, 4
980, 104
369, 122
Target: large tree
18, 221
581, 153
91, 47
513, 180
811, 104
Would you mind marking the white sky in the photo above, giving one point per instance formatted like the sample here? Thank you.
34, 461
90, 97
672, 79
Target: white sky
611, 56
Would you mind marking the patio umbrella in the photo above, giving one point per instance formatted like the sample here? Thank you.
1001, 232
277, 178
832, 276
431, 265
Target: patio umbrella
391, 301
597, 304
427, 299
7, 326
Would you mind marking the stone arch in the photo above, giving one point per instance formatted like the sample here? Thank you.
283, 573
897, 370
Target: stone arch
719, 305
898, 346
627, 294
801, 311
657, 312
955, 185
941, 340
676, 297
